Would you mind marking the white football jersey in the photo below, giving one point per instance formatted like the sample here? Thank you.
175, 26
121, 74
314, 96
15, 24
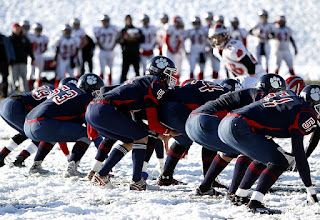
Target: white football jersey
282, 38
176, 37
39, 44
68, 46
238, 34
161, 33
231, 57
198, 38
262, 31
79, 33
106, 36
150, 38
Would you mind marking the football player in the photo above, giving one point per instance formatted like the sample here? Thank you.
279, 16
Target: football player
196, 55
66, 54
236, 32
161, 32
106, 36
261, 31
39, 43
150, 36
238, 60
281, 115
60, 119
110, 115
202, 127
282, 35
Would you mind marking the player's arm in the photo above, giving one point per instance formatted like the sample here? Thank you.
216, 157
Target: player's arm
314, 140
294, 45
302, 163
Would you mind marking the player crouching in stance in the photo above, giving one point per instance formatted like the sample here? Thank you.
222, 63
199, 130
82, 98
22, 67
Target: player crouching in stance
60, 119
110, 115
281, 115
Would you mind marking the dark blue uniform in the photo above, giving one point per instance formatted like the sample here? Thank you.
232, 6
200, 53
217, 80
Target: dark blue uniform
110, 113
202, 125
179, 102
281, 115
15, 108
60, 117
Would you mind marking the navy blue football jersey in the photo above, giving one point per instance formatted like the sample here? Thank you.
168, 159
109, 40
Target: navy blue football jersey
67, 102
34, 98
195, 93
278, 113
230, 101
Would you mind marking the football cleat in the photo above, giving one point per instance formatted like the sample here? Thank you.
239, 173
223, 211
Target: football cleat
19, 162
230, 196
71, 170
141, 185
210, 192
167, 181
216, 183
255, 206
36, 168
238, 200
102, 181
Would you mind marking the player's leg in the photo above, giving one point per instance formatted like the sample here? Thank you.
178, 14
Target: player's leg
40, 68
102, 62
289, 61
279, 58
110, 60
202, 63
192, 63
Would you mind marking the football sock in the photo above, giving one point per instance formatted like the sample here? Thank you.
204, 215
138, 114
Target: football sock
240, 168
117, 153
207, 158
138, 155
252, 174
173, 157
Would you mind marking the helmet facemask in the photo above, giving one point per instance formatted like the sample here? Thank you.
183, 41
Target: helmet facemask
169, 75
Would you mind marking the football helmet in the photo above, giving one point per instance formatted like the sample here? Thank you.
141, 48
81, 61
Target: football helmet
75, 22
164, 18
164, 68
90, 83
271, 83
231, 84
280, 20
295, 83
311, 94
263, 12
37, 27
105, 19
145, 19
213, 35
66, 30
234, 22
25, 25
196, 22
219, 19
208, 15
66, 80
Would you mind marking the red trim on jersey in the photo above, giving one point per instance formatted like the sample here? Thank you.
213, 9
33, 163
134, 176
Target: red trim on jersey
167, 40
192, 106
65, 118
153, 121
150, 96
120, 102
252, 123
34, 120
221, 114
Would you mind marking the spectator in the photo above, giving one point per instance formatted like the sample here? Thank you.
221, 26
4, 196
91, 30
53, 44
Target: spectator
6, 57
22, 49
130, 39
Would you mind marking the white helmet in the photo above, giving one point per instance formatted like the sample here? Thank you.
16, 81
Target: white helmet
214, 31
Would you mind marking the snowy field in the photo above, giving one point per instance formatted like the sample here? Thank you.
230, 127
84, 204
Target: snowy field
54, 197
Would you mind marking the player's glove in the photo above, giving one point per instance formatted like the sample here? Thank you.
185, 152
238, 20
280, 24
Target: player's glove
311, 196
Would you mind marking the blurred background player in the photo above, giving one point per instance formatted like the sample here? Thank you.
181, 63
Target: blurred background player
25, 28
261, 31
282, 36
66, 54
174, 43
296, 84
39, 47
236, 32
150, 39
219, 19
214, 61
130, 39
197, 51
106, 36
161, 32
79, 33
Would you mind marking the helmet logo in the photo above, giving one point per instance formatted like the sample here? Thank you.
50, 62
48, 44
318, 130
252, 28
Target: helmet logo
91, 80
275, 82
162, 63
315, 94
